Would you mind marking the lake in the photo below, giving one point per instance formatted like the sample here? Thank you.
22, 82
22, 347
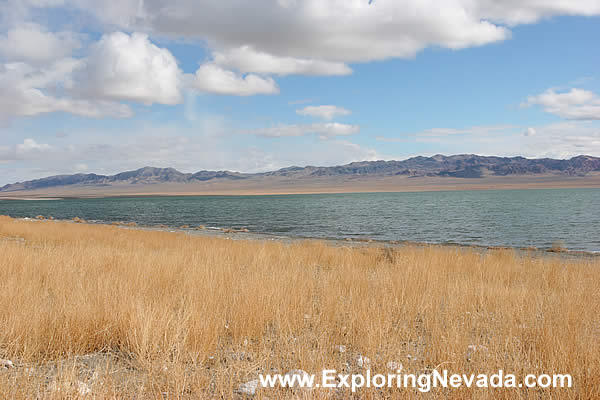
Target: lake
517, 218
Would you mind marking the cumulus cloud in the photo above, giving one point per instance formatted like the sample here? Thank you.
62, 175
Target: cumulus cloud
323, 130
246, 59
211, 78
130, 67
317, 37
334, 30
529, 132
30, 149
26, 91
514, 12
327, 112
119, 67
32, 43
578, 104
283, 37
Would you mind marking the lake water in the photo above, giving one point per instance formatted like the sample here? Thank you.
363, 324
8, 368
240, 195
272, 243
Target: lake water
518, 218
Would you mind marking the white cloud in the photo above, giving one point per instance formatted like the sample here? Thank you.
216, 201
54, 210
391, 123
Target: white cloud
433, 133
327, 112
130, 67
515, 12
560, 140
324, 130
34, 44
256, 39
31, 145
15, 11
172, 146
26, 91
120, 67
28, 150
578, 104
80, 167
311, 36
246, 59
474, 130
333, 30
211, 78
358, 152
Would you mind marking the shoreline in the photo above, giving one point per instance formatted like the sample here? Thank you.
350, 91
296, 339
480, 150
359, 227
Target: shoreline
234, 234
299, 193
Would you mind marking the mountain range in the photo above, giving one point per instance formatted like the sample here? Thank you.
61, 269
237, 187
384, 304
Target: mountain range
466, 166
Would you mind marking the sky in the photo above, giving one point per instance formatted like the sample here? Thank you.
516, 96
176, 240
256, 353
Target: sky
106, 86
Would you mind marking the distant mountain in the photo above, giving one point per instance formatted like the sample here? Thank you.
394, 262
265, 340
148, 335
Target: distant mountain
463, 166
146, 175
467, 166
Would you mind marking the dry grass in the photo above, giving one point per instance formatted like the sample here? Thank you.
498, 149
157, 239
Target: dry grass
167, 315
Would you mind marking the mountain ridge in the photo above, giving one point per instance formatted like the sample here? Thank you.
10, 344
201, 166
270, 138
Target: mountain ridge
468, 166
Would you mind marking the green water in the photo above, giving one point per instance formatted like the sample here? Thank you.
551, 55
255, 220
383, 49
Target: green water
518, 218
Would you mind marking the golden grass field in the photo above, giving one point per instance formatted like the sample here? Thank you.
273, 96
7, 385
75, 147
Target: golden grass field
134, 313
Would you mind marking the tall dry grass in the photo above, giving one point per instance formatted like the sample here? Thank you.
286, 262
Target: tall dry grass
170, 315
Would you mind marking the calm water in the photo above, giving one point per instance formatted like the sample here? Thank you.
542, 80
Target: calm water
505, 217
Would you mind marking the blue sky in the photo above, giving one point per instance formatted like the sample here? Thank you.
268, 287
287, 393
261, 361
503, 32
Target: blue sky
110, 85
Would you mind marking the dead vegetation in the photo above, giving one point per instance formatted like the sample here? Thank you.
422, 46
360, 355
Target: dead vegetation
109, 312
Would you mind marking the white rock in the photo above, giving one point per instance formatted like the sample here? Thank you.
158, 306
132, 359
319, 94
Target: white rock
340, 348
363, 362
241, 356
249, 388
298, 372
54, 387
83, 388
6, 364
394, 365
473, 348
